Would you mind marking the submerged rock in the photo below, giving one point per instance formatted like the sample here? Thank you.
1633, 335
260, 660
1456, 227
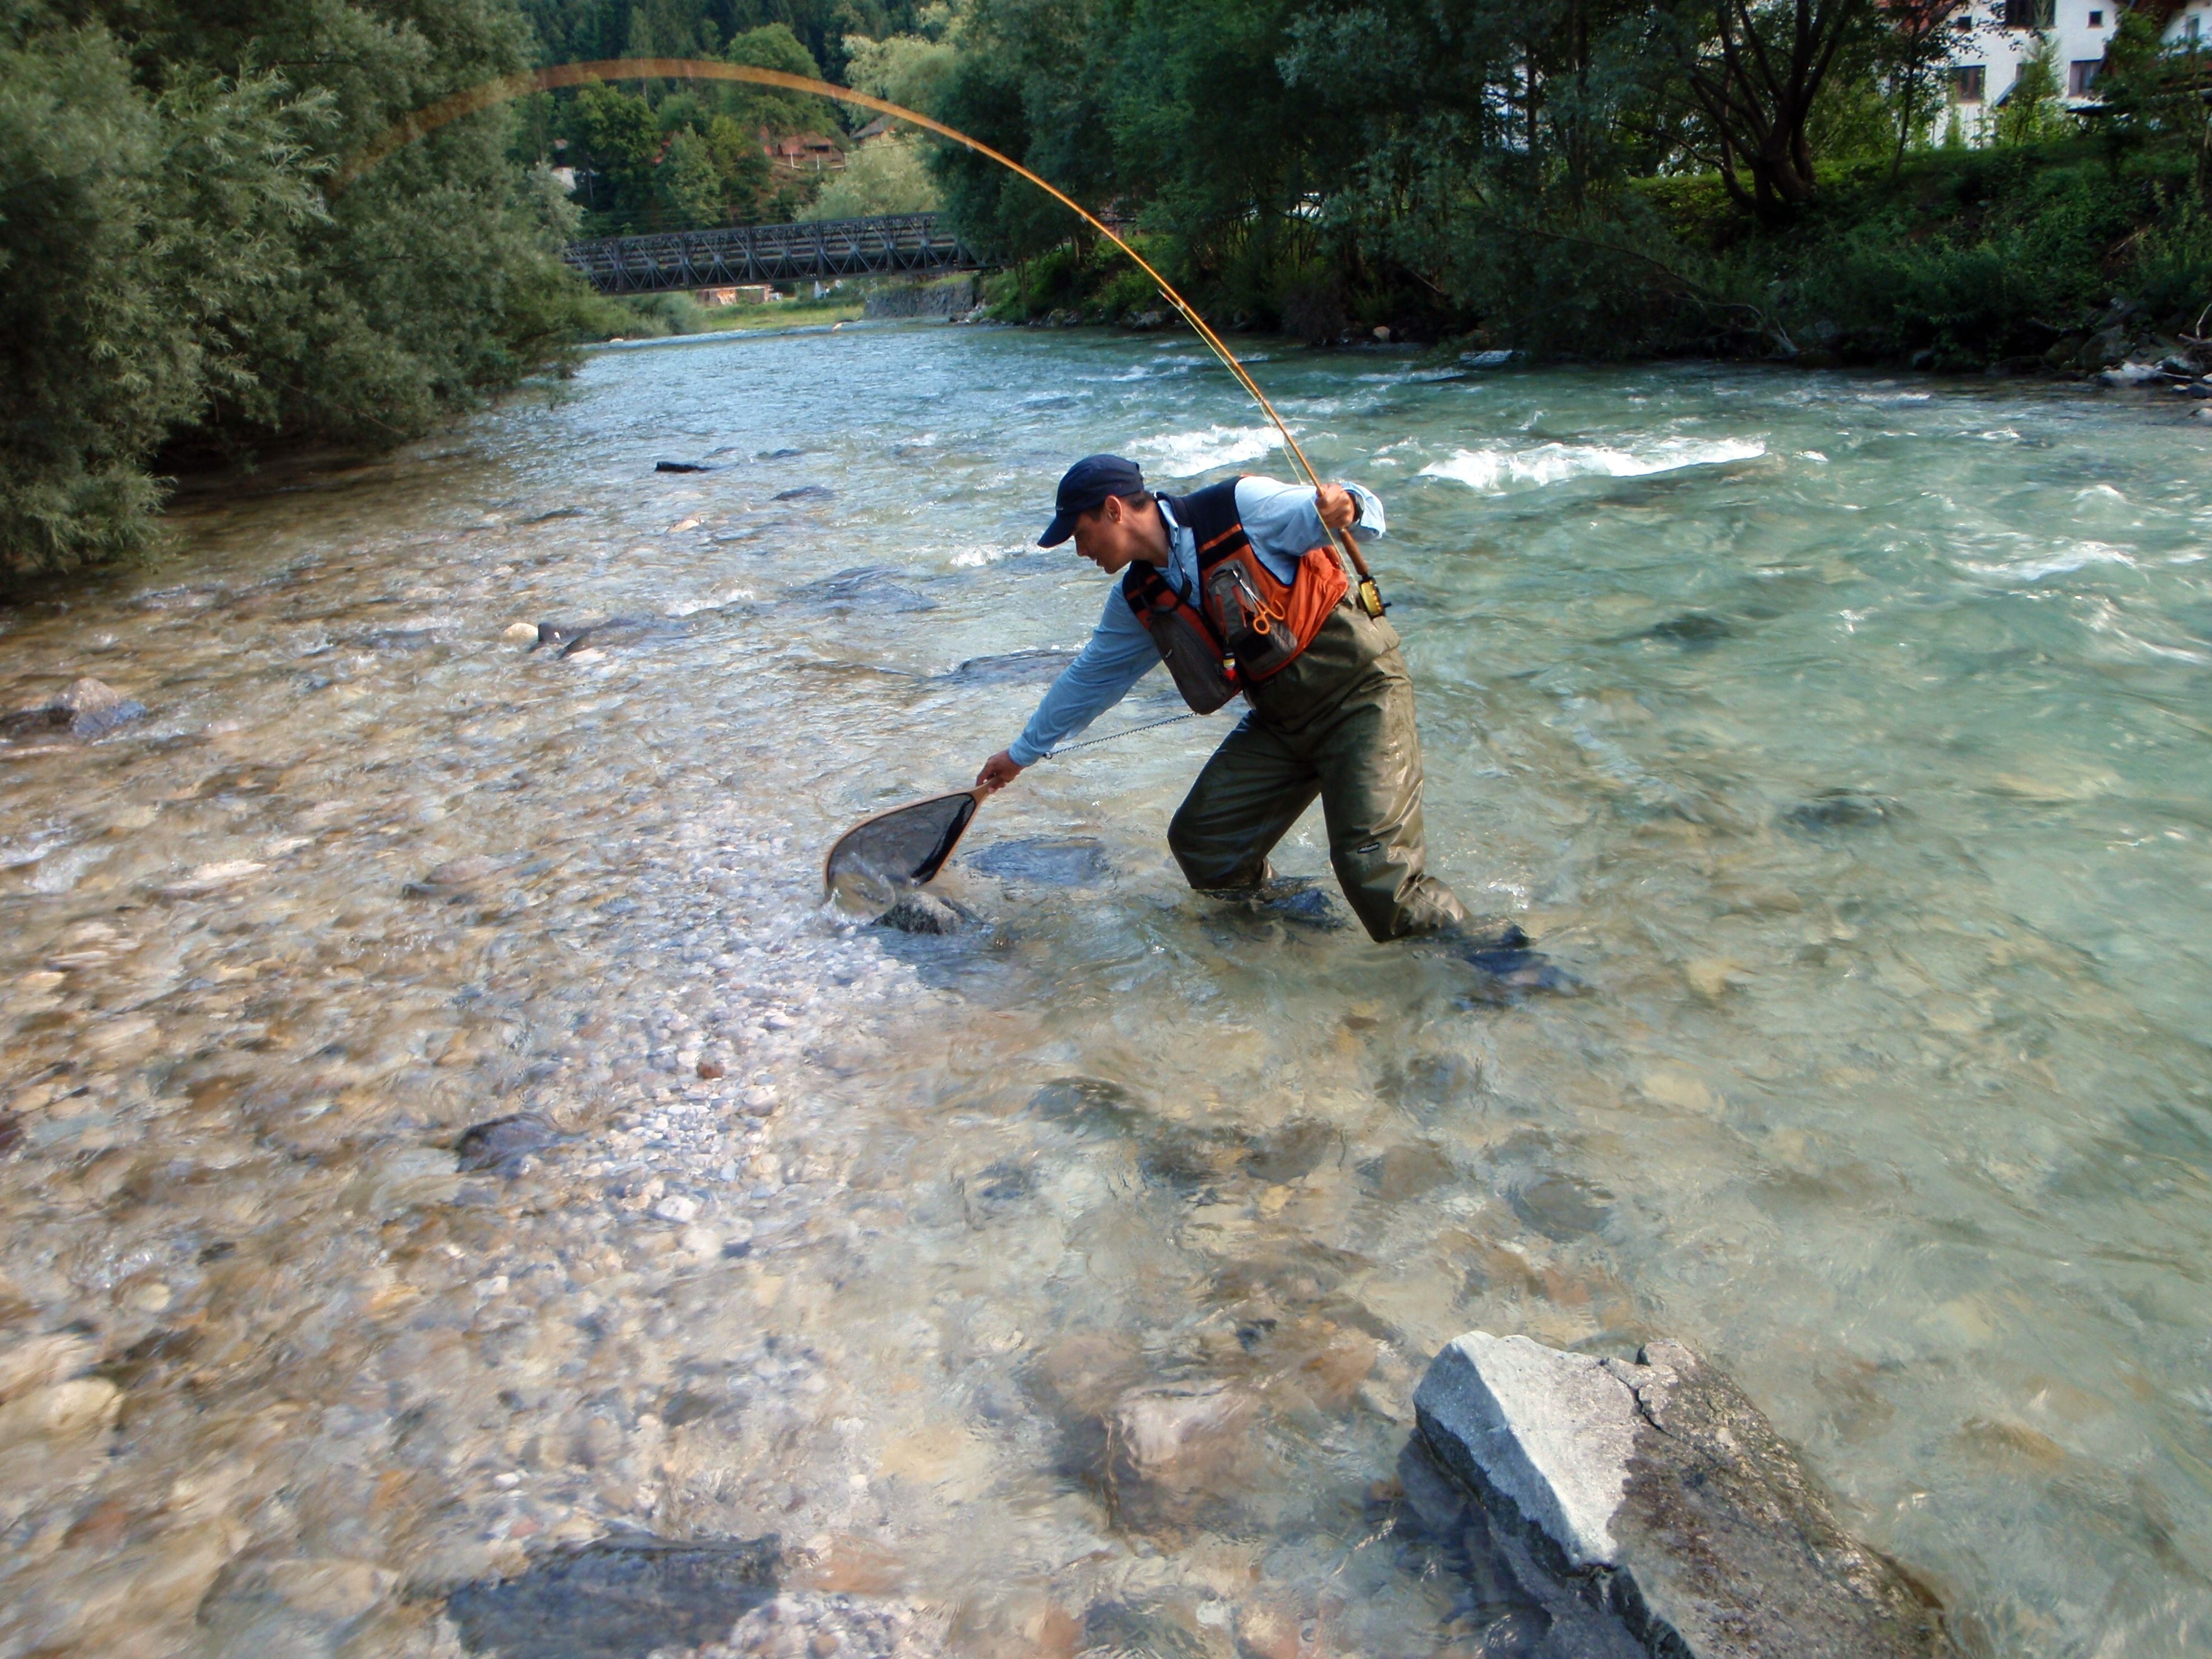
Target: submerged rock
681, 466
1170, 1449
1693, 630
95, 709
872, 589
1043, 663
618, 1598
89, 708
805, 493
1088, 1103
624, 630
1510, 967
501, 1141
1044, 861
917, 911
1659, 1490
1841, 809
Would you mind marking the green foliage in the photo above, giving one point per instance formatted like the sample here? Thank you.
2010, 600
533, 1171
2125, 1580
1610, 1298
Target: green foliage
174, 279
911, 69
687, 183
113, 297
637, 171
578, 31
885, 175
2033, 112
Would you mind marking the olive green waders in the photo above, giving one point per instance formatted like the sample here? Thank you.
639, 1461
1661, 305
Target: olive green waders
1337, 723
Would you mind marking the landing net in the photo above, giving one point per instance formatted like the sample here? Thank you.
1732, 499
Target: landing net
874, 862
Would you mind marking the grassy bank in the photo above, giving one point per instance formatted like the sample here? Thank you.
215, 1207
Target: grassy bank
654, 316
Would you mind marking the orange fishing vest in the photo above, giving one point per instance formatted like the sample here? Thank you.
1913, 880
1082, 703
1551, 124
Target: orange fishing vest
1246, 626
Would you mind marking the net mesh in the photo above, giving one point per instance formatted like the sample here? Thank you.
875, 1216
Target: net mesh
873, 863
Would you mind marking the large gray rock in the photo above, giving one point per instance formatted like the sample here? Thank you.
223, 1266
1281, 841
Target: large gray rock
1661, 1488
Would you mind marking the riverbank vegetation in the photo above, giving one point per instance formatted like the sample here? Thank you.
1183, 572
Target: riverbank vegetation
1580, 177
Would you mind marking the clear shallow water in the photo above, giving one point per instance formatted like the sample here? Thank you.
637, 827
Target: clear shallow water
1847, 737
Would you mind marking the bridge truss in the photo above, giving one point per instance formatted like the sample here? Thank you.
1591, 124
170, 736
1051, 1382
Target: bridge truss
910, 242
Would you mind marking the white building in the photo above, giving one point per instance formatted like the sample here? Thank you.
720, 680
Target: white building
2190, 26
1991, 38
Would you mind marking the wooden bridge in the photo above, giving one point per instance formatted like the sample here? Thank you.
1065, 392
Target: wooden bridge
829, 248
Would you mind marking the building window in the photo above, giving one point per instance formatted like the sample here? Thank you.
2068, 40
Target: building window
2096, 20
1966, 83
2030, 14
2080, 75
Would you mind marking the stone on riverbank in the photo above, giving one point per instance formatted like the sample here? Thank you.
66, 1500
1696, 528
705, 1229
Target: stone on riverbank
948, 298
1660, 1488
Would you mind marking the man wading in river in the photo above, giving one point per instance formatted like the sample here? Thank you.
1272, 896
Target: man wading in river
1237, 588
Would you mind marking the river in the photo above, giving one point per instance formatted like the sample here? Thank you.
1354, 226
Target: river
1844, 736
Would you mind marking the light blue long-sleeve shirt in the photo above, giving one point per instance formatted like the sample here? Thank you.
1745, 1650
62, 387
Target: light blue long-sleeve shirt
1281, 521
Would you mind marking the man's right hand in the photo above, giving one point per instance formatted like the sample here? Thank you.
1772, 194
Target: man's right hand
998, 772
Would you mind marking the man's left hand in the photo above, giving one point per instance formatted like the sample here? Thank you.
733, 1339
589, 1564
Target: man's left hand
1337, 507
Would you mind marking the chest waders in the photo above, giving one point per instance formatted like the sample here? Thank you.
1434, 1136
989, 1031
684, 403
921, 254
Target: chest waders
1332, 716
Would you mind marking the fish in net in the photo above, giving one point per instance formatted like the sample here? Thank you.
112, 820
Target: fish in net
876, 861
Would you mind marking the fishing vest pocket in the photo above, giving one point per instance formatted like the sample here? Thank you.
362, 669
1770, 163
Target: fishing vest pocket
1266, 623
1192, 657
1250, 627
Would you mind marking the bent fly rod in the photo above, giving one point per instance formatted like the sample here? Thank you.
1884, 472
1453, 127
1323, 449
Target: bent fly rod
491, 93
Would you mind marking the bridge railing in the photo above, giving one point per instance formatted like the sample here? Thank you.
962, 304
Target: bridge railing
825, 249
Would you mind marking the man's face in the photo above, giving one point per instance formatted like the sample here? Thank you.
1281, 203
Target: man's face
1111, 536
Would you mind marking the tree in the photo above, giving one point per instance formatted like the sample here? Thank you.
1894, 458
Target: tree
614, 141
885, 175
2032, 111
1914, 47
1755, 69
174, 279
689, 189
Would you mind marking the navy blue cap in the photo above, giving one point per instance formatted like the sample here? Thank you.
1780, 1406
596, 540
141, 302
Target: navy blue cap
1085, 484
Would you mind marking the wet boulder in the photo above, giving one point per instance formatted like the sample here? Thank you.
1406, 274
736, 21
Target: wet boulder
681, 466
1658, 1491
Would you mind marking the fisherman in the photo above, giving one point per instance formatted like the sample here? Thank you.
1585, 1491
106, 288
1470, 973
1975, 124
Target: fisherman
1238, 588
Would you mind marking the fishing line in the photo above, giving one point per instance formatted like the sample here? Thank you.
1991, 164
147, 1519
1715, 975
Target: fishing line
491, 93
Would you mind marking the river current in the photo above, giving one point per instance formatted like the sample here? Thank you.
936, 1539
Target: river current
1062, 1285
